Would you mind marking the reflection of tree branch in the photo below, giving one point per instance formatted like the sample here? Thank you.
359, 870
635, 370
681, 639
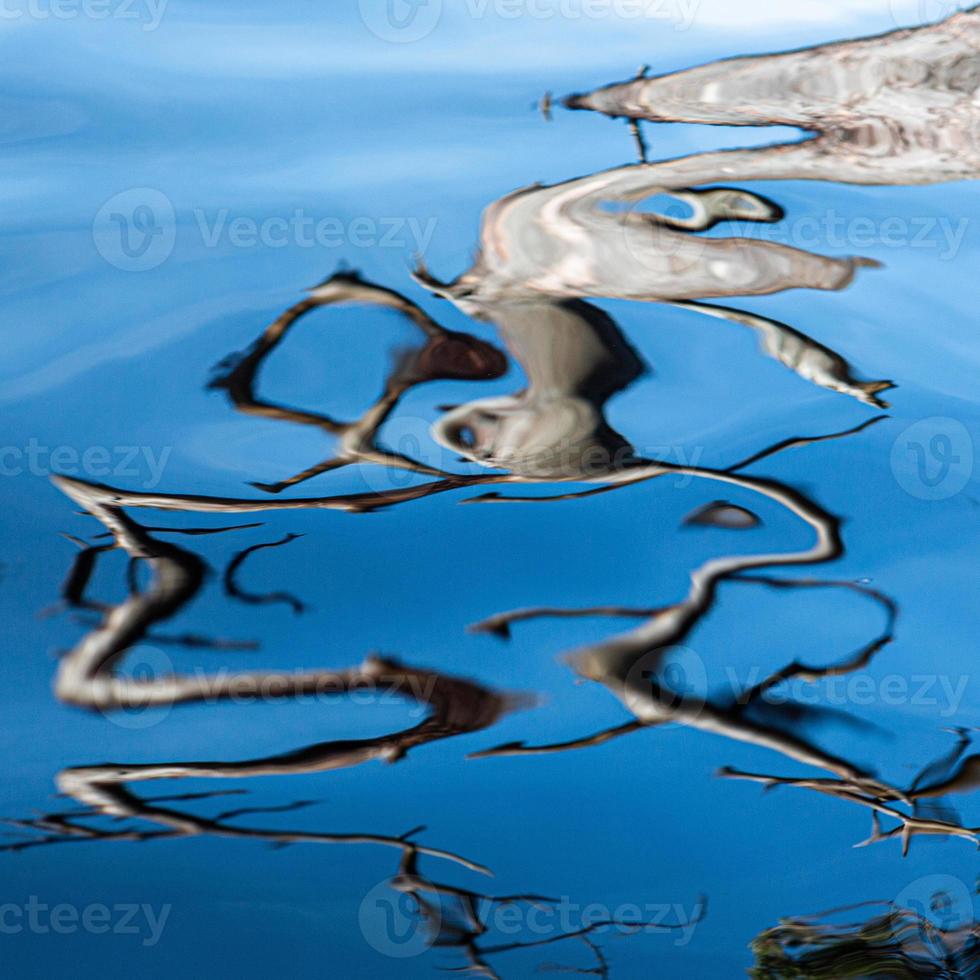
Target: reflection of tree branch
952, 774
191, 531
233, 590
195, 641
181, 824
909, 825
357, 503
640, 470
500, 623
465, 935
601, 924
74, 588
601, 968
456, 707
637, 472
860, 658
87, 676
803, 355
493, 497
446, 354
613, 662
796, 441
668, 627
674, 622
521, 748
76, 583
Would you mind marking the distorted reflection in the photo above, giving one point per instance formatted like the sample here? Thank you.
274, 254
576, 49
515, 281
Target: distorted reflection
446, 355
448, 916
463, 925
544, 252
896, 109
874, 939
569, 241
721, 513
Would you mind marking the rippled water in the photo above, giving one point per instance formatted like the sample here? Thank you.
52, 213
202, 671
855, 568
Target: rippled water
424, 590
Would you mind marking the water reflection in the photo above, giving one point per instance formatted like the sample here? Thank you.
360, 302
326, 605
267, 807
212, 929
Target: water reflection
575, 358
894, 941
569, 240
442, 913
445, 355
544, 252
896, 109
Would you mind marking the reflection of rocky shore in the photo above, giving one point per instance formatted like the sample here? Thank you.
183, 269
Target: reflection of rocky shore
886, 939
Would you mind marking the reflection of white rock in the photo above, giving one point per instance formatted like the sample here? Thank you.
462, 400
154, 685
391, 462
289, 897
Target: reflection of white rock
566, 240
575, 359
896, 109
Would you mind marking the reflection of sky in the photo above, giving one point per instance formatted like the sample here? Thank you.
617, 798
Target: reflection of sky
268, 110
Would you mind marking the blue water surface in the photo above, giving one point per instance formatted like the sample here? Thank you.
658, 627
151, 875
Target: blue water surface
257, 111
